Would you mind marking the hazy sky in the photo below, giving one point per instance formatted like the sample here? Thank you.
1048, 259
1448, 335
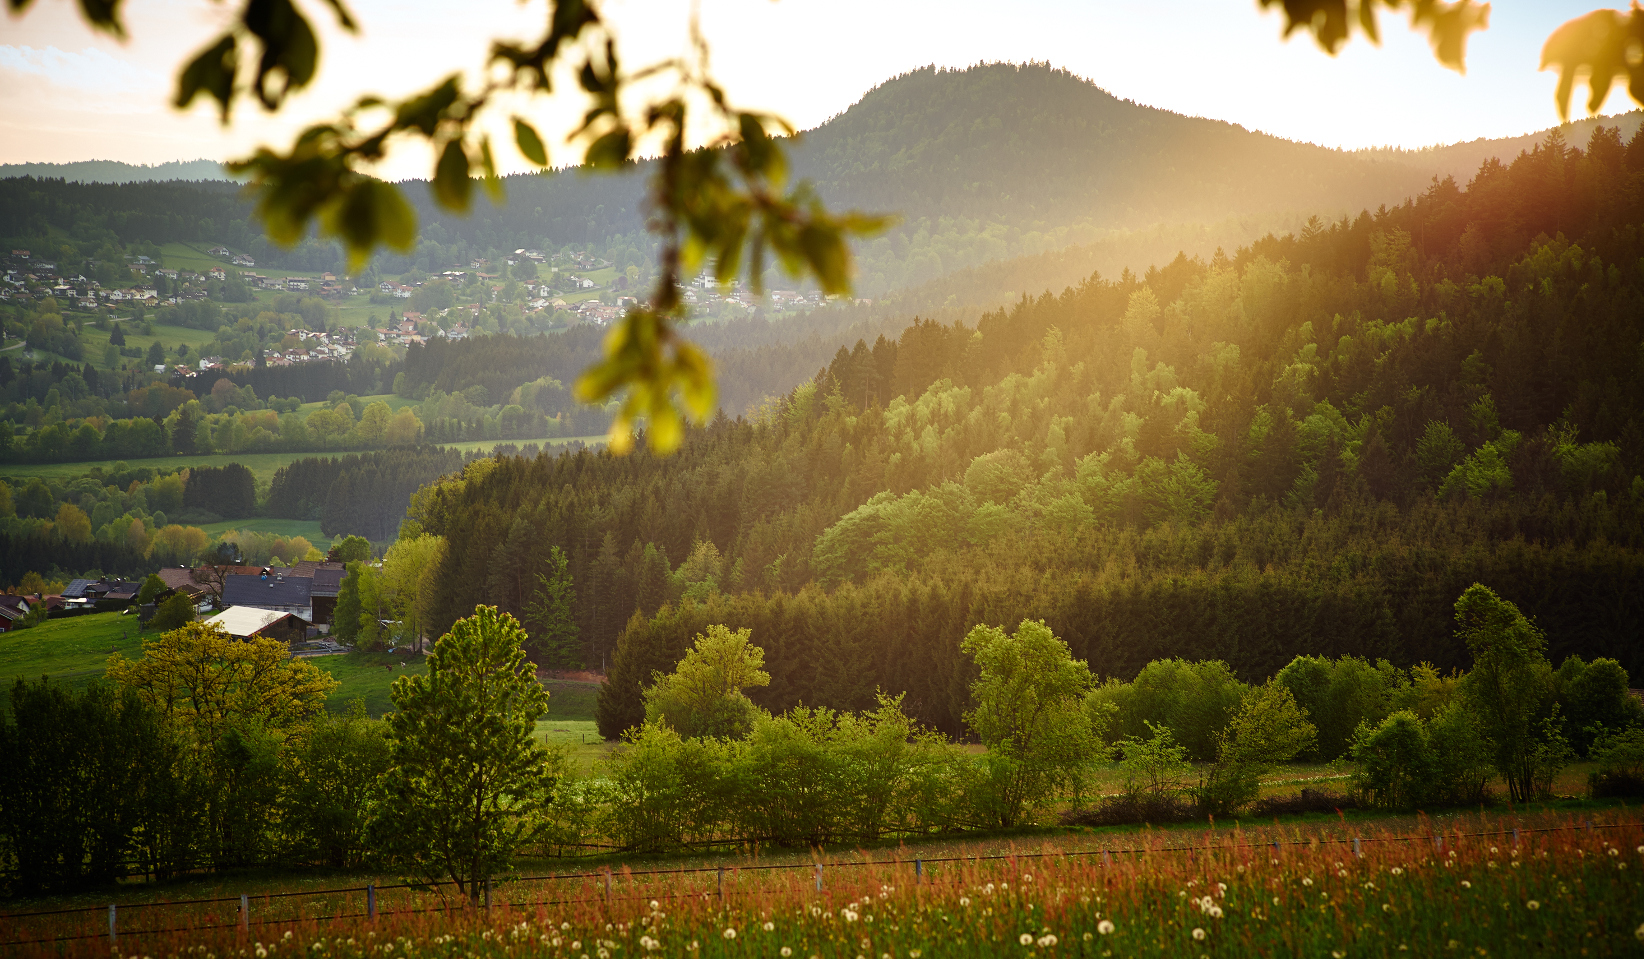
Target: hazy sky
69, 94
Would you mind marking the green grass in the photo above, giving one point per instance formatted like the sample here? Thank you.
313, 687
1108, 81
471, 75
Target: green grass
395, 403
72, 651
262, 465
307, 528
94, 341
366, 676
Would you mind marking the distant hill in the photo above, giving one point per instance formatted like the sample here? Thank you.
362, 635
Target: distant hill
982, 165
113, 171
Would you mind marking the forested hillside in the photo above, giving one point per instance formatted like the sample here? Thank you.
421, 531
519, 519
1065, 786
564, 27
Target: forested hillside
1312, 446
991, 162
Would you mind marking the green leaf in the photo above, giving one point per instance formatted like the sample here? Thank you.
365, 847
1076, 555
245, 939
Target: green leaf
290, 50
609, 151
211, 72
529, 143
423, 112
493, 183
451, 185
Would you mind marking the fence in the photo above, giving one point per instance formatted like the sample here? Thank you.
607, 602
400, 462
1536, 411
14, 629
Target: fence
602, 882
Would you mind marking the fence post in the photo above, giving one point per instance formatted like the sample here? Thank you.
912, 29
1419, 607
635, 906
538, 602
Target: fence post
1356, 853
719, 882
371, 901
245, 912
918, 870
607, 885
1515, 835
1107, 859
1275, 849
818, 877
487, 895
111, 922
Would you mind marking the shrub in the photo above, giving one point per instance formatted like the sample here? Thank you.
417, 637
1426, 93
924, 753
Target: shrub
172, 613
1269, 730
1195, 700
1405, 763
1620, 759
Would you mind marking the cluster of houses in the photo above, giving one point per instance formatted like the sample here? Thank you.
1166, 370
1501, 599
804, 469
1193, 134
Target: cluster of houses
316, 347
287, 603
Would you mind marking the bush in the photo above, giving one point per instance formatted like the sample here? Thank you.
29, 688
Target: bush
1195, 700
172, 613
1620, 759
1269, 730
1405, 763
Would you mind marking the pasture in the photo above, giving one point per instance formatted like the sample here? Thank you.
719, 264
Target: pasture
1526, 882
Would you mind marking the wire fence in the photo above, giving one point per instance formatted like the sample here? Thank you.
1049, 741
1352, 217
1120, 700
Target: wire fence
245, 920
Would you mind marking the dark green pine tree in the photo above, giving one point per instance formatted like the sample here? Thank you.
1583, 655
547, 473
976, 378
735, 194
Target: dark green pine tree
548, 616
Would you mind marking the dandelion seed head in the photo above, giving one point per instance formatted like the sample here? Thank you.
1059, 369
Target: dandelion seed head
1532, 905
1466, 885
1307, 881
1025, 939
1105, 927
786, 952
1198, 934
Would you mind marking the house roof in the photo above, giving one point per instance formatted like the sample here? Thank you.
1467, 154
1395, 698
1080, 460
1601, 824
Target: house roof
17, 604
327, 582
247, 620
78, 587
275, 590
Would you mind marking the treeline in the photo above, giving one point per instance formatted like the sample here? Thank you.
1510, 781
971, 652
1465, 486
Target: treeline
246, 768
364, 494
1295, 439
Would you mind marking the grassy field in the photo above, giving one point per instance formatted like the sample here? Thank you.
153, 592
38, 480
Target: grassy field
93, 341
395, 403
262, 465
1529, 882
306, 528
70, 651
366, 676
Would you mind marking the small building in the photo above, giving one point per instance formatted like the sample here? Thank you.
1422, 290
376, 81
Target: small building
271, 590
244, 622
12, 609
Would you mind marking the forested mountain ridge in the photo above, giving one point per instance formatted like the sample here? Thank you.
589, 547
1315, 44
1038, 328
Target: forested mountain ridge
1312, 446
981, 164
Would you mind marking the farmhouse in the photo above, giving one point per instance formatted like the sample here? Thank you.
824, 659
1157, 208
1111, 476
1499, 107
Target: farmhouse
271, 590
244, 622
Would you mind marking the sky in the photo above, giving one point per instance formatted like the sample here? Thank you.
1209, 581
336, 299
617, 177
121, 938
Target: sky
69, 93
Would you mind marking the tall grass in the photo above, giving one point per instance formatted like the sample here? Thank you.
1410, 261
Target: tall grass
1559, 887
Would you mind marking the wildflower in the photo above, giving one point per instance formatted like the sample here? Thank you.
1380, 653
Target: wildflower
1025, 938
1396, 871
565, 927
1338, 954
1639, 932
1386, 907
1105, 927
988, 888
848, 914
786, 952
1046, 941
1221, 888
1215, 912
913, 954
1342, 873
1613, 851
964, 901
730, 934
655, 905
576, 945
1089, 937
1466, 885
1028, 876
1307, 882
1532, 905
1493, 851
1198, 934
1241, 870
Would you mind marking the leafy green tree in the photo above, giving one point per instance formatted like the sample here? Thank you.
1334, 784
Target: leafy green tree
345, 616
703, 697
467, 779
156, 354
1509, 687
1035, 715
1268, 730
1153, 768
551, 616
331, 774
152, 587
353, 549
83, 772
172, 613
